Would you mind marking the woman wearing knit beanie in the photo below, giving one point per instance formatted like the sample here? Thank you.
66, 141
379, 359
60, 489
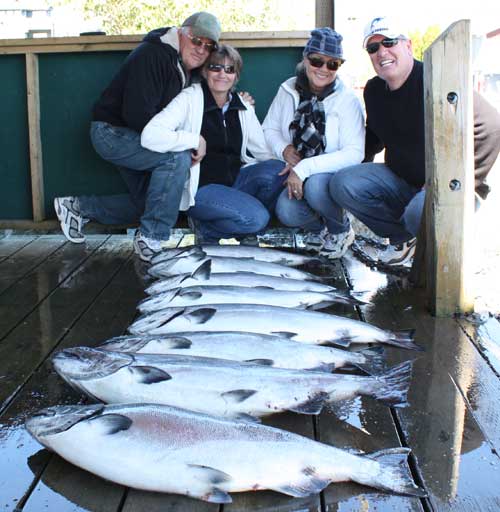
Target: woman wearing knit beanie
316, 126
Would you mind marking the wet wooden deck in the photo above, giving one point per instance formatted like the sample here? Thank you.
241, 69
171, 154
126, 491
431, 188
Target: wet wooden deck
55, 295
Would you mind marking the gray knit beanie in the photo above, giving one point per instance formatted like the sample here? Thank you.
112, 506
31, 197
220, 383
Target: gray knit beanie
325, 41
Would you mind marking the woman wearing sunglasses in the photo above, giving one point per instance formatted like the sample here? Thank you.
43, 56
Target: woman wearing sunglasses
234, 182
316, 125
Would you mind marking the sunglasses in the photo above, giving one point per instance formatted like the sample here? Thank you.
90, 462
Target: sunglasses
198, 42
332, 65
229, 69
386, 43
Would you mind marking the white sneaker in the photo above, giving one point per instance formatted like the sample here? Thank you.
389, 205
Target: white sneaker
314, 241
71, 220
146, 247
335, 246
399, 255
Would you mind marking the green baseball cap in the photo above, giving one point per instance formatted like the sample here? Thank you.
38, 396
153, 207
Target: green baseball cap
204, 24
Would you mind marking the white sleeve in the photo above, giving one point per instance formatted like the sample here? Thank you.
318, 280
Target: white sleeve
351, 143
272, 125
257, 144
164, 131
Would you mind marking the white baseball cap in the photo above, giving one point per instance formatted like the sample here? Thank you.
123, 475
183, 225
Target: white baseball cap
385, 27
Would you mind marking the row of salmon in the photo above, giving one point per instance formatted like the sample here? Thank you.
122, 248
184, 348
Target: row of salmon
198, 370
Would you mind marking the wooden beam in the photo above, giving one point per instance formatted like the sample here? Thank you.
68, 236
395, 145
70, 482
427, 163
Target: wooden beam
262, 39
35, 140
449, 161
325, 13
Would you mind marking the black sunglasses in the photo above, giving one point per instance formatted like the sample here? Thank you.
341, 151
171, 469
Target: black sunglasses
229, 69
332, 65
386, 43
198, 42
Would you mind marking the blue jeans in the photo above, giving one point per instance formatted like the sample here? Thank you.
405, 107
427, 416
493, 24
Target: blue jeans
315, 210
155, 182
243, 209
386, 203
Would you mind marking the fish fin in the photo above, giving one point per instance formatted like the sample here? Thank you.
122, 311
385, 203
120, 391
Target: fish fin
374, 360
124, 343
217, 496
262, 362
262, 287
149, 374
313, 405
202, 273
404, 339
394, 474
191, 294
110, 424
341, 342
310, 483
284, 334
248, 418
238, 395
200, 316
348, 298
391, 387
324, 367
176, 342
211, 475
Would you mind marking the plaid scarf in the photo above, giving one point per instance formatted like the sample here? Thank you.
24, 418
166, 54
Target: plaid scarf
308, 126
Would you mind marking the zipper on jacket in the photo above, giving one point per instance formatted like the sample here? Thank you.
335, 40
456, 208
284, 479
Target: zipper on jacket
226, 149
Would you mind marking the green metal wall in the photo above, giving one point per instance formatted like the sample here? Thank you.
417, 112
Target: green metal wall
69, 85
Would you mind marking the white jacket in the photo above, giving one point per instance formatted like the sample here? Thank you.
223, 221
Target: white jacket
177, 128
344, 130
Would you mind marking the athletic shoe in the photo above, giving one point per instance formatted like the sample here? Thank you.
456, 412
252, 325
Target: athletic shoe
71, 220
335, 246
146, 247
398, 255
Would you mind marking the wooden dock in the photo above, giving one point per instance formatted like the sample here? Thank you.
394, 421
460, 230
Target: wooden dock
55, 295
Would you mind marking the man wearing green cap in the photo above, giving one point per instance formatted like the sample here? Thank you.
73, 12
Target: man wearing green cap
154, 73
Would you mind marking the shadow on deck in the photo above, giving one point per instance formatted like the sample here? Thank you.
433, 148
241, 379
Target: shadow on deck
55, 295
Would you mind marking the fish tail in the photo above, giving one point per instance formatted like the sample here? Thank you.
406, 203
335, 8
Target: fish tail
393, 473
374, 360
404, 339
348, 298
391, 387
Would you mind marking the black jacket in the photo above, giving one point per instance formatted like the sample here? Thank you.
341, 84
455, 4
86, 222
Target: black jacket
147, 81
395, 120
222, 131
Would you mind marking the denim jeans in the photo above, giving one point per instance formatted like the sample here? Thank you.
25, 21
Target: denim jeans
386, 203
243, 209
315, 210
155, 182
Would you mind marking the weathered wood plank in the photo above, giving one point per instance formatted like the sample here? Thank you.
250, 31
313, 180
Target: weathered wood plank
104, 315
444, 430
262, 39
449, 163
23, 261
26, 347
9, 245
59, 269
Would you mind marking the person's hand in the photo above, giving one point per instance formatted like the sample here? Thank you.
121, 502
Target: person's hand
198, 153
293, 183
246, 96
291, 155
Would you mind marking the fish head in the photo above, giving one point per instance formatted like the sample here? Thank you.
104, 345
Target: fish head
171, 266
85, 363
55, 420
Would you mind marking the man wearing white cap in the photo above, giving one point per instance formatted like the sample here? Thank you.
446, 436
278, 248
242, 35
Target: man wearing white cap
165, 62
389, 197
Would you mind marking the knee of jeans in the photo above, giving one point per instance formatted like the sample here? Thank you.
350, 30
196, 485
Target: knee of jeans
261, 219
284, 213
316, 191
343, 187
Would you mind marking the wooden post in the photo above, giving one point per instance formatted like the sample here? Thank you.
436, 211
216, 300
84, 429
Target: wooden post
36, 164
449, 162
325, 13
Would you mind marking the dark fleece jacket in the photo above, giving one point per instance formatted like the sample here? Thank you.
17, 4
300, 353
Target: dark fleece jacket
146, 82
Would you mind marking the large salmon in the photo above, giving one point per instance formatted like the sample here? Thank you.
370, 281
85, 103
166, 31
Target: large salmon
161, 448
